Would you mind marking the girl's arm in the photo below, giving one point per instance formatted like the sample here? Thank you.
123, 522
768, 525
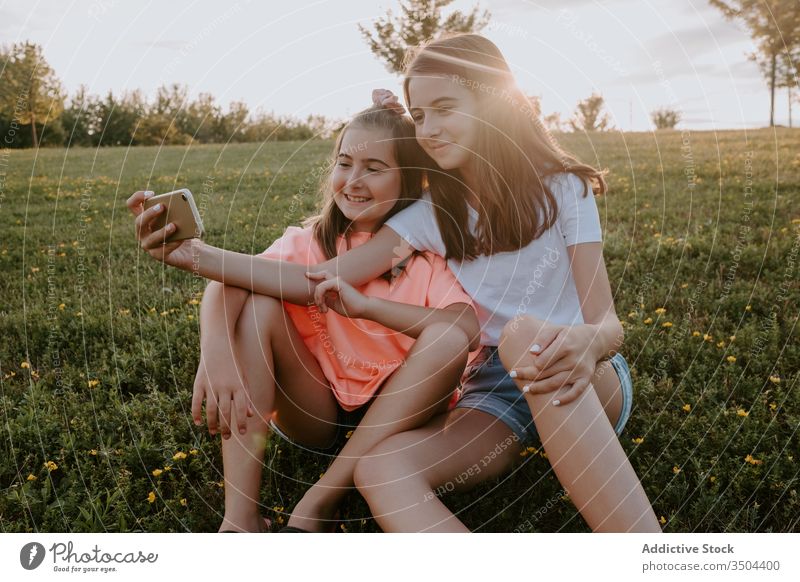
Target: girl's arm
412, 319
573, 353
596, 299
337, 294
278, 279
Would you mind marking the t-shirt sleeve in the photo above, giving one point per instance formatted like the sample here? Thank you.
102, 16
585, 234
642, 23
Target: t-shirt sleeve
577, 214
417, 225
443, 289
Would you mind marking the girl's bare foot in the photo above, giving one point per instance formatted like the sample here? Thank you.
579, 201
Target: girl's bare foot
259, 524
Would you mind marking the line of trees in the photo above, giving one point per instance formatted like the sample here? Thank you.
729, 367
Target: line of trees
34, 111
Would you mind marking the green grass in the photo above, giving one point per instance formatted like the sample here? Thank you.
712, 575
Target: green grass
81, 303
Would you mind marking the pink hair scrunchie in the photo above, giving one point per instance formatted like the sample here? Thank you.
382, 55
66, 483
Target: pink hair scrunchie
387, 99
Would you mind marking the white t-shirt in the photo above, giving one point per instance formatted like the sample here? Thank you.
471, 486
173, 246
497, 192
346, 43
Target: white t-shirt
535, 280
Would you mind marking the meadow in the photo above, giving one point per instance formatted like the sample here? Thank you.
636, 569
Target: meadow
99, 343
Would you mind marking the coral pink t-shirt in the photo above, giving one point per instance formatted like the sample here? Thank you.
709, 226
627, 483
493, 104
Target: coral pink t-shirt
357, 355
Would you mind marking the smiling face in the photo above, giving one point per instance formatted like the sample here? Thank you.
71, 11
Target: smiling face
446, 118
366, 180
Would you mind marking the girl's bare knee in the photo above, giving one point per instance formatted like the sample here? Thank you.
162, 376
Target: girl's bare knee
381, 467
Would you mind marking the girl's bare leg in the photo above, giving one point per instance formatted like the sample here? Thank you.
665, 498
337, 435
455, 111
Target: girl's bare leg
453, 452
410, 397
582, 447
269, 347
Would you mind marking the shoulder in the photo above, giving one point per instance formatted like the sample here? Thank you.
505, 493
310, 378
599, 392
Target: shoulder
292, 240
567, 184
297, 234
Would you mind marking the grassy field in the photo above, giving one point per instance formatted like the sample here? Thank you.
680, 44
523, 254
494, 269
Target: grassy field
96, 430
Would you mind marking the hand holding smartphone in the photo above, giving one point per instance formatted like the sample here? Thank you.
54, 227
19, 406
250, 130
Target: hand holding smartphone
181, 210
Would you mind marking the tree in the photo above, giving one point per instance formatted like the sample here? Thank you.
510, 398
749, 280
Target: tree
116, 120
553, 122
30, 92
419, 22
788, 73
774, 26
665, 118
589, 115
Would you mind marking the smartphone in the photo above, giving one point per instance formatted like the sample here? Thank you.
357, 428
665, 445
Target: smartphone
179, 208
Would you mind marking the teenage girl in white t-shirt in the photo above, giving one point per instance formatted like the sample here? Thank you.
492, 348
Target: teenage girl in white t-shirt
513, 215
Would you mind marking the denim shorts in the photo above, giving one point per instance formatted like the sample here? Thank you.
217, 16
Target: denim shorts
487, 386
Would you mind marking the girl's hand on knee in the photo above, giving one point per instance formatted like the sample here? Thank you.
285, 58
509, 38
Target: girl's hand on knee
568, 362
219, 384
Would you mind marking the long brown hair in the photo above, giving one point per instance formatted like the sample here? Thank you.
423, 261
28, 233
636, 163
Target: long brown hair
514, 153
330, 222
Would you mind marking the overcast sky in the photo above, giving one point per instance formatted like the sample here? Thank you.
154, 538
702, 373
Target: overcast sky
305, 56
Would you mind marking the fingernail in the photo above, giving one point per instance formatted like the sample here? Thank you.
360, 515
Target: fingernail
157, 207
149, 194
526, 388
556, 402
536, 348
513, 373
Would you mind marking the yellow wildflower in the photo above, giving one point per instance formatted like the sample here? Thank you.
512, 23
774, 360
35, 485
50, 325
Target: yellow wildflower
731, 359
684, 285
24, 365
179, 456
707, 337
648, 321
638, 440
773, 406
721, 344
50, 465
93, 383
61, 306
752, 461
695, 334
184, 502
686, 407
775, 379
748, 307
193, 452
661, 310
151, 497
676, 470
632, 314
661, 520
157, 472
732, 338
666, 324
194, 302
349, 434
712, 478
93, 452
167, 467
742, 412
32, 477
